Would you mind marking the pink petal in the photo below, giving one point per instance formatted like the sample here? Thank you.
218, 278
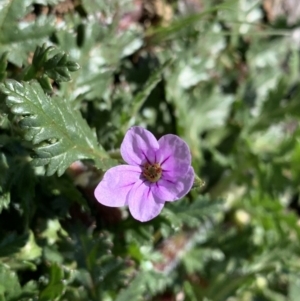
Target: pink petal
112, 191
174, 155
139, 146
172, 190
142, 204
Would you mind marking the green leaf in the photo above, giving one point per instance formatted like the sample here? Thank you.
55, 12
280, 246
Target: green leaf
19, 38
134, 291
271, 109
98, 50
12, 243
40, 56
58, 67
192, 214
38, 60
29, 292
45, 83
144, 283
141, 97
99, 270
4, 199
93, 78
59, 132
31, 250
55, 287
9, 284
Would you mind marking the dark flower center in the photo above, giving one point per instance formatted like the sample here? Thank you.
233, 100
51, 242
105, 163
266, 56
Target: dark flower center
152, 172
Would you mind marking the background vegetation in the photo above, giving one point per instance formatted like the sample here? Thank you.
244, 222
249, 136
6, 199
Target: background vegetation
223, 75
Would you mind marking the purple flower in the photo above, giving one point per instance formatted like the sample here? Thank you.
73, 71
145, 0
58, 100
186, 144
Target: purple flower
158, 171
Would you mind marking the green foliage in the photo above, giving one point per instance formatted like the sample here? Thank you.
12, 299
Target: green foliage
16, 38
192, 214
142, 96
143, 285
55, 287
223, 75
58, 67
9, 288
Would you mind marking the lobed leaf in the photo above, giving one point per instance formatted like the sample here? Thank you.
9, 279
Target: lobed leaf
192, 214
59, 67
59, 132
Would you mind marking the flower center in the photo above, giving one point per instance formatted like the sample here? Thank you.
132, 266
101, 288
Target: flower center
152, 172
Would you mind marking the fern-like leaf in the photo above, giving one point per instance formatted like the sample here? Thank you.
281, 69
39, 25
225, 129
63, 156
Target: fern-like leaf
59, 132
192, 214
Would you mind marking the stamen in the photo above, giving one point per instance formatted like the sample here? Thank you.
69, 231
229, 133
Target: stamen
152, 172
